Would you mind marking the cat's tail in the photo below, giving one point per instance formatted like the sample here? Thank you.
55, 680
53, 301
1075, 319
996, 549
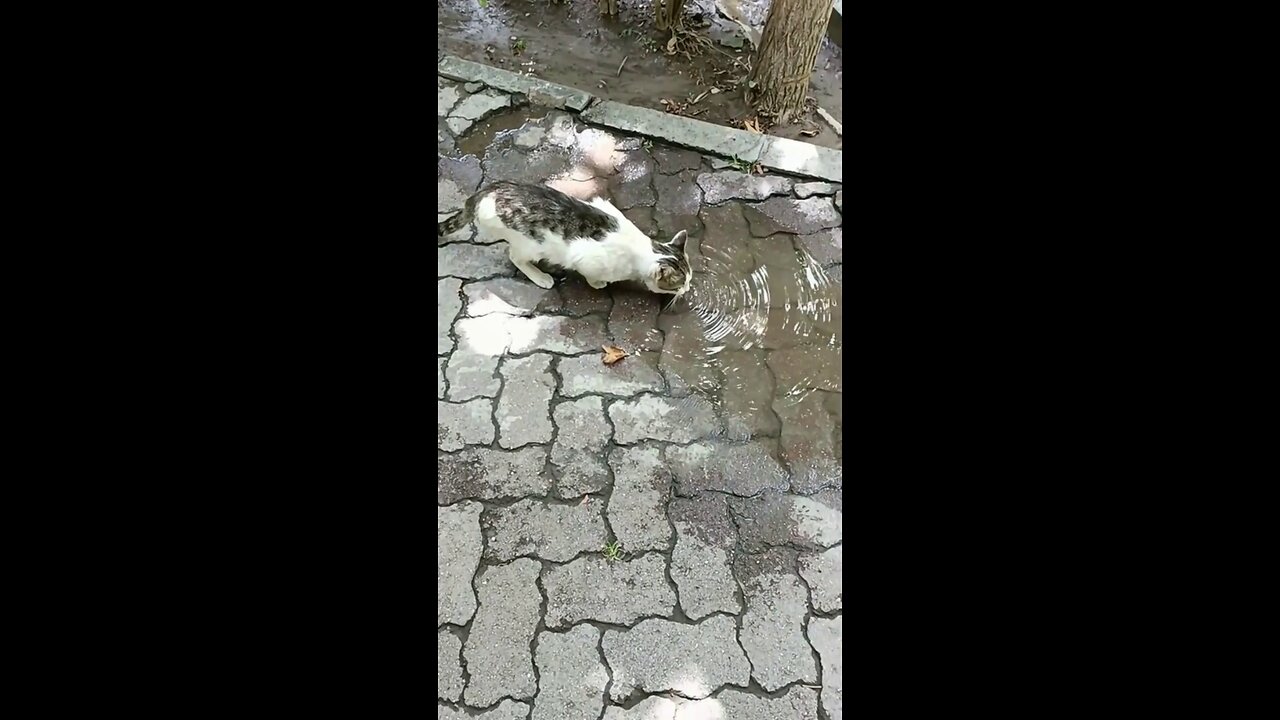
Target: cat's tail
457, 222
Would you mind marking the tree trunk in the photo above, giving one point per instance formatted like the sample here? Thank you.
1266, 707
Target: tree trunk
670, 15
788, 49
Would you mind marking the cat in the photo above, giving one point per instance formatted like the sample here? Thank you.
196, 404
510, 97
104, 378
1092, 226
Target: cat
594, 239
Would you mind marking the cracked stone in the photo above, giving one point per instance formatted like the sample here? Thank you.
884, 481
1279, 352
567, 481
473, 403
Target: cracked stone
547, 531
824, 573
571, 676
497, 334
807, 189
650, 417
702, 560
449, 197
473, 87
727, 185
638, 503
488, 474
777, 519
473, 262
587, 374
800, 217
651, 708
691, 660
826, 247
446, 98
748, 395
497, 650
676, 195
461, 424
448, 304
743, 469
508, 296
457, 556
471, 375
773, 624
840, 200
686, 361
807, 443
611, 591
633, 322
481, 105
631, 185
529, 136
448, 666
524, 410
798, 703
579, 446
827, 636
673, 160
445, 144
439, 378
506, 710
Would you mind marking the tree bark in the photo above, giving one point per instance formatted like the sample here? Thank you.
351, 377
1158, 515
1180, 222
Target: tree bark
788, 49
670, 15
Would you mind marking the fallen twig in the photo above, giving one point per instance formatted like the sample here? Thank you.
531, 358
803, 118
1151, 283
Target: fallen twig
624, 62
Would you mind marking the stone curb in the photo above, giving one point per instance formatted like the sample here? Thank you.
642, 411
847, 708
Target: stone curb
775, 153
539, 92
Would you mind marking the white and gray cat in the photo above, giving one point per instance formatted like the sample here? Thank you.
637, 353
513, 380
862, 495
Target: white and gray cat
594, 239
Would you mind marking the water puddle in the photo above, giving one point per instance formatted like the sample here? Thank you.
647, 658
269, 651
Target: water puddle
481, 135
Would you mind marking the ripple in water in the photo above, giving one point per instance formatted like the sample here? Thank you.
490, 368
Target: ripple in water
738, 310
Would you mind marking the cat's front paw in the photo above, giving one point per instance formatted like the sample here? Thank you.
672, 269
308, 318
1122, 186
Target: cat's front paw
597, 285
545, 282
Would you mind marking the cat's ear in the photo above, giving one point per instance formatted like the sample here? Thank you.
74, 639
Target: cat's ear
677, 242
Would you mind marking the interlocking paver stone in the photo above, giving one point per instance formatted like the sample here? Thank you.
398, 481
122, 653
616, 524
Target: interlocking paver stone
461, 424
571, 676
612, 591
549, 531
509, 296
702, 561
497, 651
780, 214
472, 375
587, 374
638, 503
488, 474
729, 184
652, 417
773, 624
798, 703
748, 394
804, 190
582, 434
505, 710
824, 573
458, 544
777, 519
448, 304
691, 660
743, 469
826, 635
524, 414
465, 260
448, 666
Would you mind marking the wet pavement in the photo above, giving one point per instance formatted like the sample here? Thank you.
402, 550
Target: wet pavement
658, 539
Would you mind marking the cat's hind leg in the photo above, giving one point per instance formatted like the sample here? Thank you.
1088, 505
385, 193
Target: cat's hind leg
525, 264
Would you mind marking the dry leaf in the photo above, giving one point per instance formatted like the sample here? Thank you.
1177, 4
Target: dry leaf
613, 354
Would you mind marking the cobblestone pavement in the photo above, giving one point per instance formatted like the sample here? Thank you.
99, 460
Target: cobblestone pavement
659, 539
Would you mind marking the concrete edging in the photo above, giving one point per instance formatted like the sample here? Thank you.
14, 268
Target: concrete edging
775, 153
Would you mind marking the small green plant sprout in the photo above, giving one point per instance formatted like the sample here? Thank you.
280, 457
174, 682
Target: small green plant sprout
613, 550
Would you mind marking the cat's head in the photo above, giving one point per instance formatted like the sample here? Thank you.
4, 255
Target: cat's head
670, 272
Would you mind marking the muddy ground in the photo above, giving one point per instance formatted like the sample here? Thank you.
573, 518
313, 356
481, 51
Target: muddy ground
570, 43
